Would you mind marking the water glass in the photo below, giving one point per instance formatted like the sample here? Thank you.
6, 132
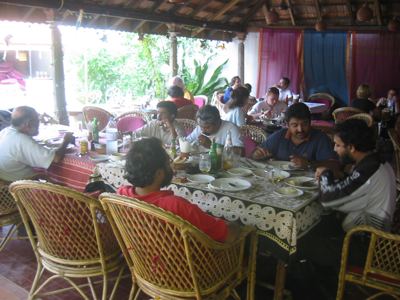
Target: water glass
205, 163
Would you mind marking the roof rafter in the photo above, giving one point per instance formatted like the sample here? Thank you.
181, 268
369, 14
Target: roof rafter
378, 13
290, 5
258, 4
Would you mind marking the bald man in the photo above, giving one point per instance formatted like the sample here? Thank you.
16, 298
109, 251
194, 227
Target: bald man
20, 153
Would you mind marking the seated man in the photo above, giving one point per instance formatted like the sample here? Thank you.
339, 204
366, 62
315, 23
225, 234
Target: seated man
210, 126
20, 153
270, 107
285, 94
176, 96
299, 143
148, 169
165, 128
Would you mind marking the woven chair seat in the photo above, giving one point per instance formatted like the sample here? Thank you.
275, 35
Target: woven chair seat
188, 125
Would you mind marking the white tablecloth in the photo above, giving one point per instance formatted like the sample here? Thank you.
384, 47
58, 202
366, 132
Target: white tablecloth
316, 108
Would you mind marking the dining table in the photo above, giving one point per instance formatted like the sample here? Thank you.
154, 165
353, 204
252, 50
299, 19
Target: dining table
316, 108
280, 220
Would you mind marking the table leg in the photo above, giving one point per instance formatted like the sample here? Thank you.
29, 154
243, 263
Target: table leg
280, 279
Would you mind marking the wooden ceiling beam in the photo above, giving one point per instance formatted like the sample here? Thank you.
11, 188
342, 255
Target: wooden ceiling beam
265, 12
350, 11
318, 9
236, 12
28, 14
199, 9
119, 12
378, 13
291, 14
253, 11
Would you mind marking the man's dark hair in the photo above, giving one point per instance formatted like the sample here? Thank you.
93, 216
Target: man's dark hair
287, 80
357, 133
248, 86
233, 80
175, 91
238, 97
168, 105
21, 115
144, 158
299, 111
273, 90
208, 114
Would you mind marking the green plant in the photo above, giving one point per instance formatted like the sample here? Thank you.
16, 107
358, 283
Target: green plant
195, 81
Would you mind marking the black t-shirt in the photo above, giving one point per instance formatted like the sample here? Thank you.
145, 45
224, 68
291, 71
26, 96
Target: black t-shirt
364, 104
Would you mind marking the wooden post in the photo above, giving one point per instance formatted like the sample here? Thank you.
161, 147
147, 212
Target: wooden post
173, 60
59, 87
241, 37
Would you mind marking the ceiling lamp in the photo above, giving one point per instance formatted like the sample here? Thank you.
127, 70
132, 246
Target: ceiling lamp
272, 17
364, 13
393, 25
320, 26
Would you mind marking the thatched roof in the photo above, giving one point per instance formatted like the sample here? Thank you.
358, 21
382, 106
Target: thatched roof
214, 19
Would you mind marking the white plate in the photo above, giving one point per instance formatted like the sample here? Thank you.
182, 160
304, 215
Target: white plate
240, 172
200, 178
117, 156
230, 184
261, 173
283, 165
276, 174
99, 157
298, 182
288, 191
251, 164
54, 142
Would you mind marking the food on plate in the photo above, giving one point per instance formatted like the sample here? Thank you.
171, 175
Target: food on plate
180, 160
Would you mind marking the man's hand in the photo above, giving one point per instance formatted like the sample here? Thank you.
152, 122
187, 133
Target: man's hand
68, 139
319, 171
204, 141
260, 153
299, 161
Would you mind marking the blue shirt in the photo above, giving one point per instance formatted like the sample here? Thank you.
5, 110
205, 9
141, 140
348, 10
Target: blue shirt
227, 94
318, 147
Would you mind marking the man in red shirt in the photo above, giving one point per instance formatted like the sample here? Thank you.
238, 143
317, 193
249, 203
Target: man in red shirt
148, 170
176, 95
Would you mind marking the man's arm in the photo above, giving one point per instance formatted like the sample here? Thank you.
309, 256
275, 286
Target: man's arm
60, 152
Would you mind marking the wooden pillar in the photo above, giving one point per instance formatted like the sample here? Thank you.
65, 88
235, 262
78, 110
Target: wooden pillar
241, 37
58, 68
173, 60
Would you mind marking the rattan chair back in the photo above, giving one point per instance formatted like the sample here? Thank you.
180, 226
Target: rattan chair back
102, 116
382, 267
187, 112
396, 151
169, 257
74, 236
255, 133
131, 121
188, 125
343, 113
322, 98
367, 118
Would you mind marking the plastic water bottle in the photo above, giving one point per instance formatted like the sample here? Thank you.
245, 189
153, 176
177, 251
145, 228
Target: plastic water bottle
111, 137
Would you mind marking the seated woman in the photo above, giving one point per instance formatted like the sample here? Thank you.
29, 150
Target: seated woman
363, 101
270, 106
234, 108
148, 169
235, 83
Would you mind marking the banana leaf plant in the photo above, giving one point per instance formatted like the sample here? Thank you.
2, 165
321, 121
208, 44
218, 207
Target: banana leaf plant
195, 81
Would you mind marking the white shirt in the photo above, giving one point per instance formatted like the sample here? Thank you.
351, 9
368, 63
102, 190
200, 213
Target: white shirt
283, 93
153, 129
262, 106
221, 134
20, 153
236, 116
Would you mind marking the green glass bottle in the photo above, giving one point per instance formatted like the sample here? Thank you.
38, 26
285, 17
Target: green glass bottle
214, 156
95, 130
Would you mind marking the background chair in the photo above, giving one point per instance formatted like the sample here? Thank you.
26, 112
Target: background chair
200, 100
365, 117
343, 113
252, 136
323, 98
188, 125
75, 239
171, 259
187, 112
131, 121
9, 214
381, 270
103, 116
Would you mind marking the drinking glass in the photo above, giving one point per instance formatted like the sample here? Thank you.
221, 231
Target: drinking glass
205, 163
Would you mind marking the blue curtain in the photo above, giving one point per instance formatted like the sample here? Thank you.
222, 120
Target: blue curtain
325, 64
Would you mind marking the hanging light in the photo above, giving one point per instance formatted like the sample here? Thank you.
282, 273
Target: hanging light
364, 13
320, 26
272, 17
393, 25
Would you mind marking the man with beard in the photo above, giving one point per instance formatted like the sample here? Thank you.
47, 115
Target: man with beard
302, 145
148, 169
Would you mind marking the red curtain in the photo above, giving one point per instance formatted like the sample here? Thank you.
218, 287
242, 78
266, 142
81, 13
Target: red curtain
280, 55
375, 61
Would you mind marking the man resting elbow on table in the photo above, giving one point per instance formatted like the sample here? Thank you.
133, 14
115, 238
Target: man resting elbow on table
20, 152
300, 144
148, 169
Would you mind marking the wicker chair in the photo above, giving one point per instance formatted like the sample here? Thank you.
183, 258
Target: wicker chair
188, 125
103, 116
187, 112
171, 259
367, 118
396, 151
75, 239
131, 121
343, 113
381, 270
252, 136
324, 98
9, 214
